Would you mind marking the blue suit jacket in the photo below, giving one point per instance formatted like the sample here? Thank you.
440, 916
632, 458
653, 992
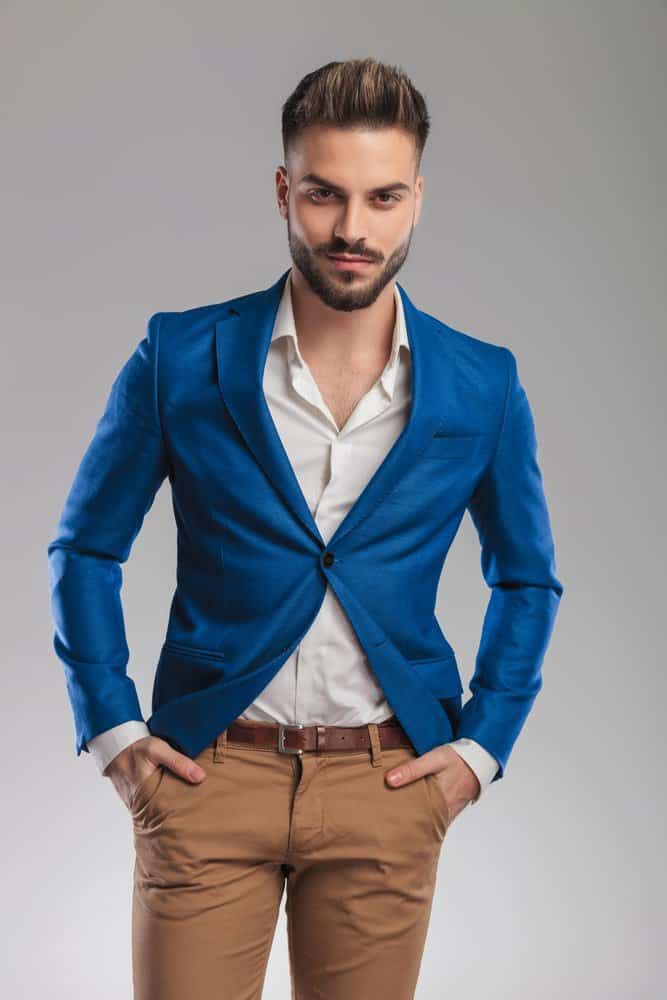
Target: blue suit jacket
252, 566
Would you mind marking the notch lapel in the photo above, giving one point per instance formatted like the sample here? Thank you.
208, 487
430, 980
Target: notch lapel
242, 344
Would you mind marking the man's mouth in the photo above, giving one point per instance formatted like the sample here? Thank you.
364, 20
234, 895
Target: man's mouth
350, 262
349, 256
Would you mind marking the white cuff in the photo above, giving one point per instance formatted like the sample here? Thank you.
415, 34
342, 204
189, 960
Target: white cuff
108, 744
478, 759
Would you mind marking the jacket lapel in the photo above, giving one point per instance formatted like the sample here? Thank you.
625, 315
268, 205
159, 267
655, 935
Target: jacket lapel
242, 343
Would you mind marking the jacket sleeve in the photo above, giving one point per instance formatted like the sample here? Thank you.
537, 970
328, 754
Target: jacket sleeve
114, 488
509, 511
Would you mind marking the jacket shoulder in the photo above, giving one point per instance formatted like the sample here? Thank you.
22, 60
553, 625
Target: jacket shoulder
194, 325
474, 348
196, 314
486, 368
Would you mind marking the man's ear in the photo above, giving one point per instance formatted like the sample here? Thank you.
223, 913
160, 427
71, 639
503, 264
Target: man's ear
419, 196
282, 189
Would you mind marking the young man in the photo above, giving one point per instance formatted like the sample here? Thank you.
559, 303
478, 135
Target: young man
323, 439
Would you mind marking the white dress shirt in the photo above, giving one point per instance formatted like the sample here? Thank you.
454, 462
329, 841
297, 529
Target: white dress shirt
327, 680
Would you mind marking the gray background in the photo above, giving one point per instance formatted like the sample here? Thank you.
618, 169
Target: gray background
139, 149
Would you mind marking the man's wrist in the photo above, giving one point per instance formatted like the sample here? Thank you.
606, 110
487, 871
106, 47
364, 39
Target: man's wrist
482, 764
106, 746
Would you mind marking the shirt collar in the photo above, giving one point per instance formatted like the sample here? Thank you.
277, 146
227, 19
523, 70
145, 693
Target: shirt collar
285, 326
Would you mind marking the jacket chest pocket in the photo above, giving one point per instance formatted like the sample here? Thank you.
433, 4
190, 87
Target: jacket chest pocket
445, 445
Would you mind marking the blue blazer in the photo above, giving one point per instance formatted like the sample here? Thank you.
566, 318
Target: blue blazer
252, 566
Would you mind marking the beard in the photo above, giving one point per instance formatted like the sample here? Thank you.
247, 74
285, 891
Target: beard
344, 290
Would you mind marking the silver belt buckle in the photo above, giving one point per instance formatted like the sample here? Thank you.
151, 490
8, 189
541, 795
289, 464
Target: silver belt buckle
282, 726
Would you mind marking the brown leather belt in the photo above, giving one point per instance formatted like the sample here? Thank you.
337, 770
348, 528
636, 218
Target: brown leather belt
297, 739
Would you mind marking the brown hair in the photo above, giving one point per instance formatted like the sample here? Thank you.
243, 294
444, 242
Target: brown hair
356, 92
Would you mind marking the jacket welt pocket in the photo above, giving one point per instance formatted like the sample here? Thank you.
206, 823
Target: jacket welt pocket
187, 650
445, 445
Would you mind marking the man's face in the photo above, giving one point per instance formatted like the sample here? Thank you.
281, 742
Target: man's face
354, 192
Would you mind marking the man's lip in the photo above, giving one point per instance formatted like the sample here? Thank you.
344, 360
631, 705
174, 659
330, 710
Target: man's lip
342, 256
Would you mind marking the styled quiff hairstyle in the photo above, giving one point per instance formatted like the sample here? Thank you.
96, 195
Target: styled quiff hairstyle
356, 93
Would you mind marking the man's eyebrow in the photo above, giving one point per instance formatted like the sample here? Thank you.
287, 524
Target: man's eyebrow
323, 182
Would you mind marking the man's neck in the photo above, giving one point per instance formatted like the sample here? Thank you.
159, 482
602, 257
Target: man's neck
359, 340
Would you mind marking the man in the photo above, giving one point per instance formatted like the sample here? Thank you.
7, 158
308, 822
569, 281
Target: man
323, 439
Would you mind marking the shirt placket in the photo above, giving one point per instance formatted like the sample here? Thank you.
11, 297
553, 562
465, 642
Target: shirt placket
331, 506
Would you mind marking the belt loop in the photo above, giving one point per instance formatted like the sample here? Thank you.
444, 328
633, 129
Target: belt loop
220, 744
376, 747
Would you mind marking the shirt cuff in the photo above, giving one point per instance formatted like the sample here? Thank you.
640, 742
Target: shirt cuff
108, 744
480, 761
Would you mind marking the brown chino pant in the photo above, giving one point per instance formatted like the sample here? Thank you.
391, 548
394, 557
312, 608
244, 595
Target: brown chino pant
359, 859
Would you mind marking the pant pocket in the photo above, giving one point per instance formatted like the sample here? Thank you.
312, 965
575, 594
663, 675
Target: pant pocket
438, 799
146, 790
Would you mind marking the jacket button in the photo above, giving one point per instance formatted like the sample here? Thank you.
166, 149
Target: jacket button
328, 558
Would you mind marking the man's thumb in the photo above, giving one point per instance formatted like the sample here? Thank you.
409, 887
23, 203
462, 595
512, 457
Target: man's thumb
195, 772
411, 770
179, 763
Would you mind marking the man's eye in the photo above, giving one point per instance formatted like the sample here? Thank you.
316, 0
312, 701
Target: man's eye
321, 193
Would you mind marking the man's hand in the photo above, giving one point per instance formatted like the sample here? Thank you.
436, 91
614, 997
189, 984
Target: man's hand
458, 781
138, 761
